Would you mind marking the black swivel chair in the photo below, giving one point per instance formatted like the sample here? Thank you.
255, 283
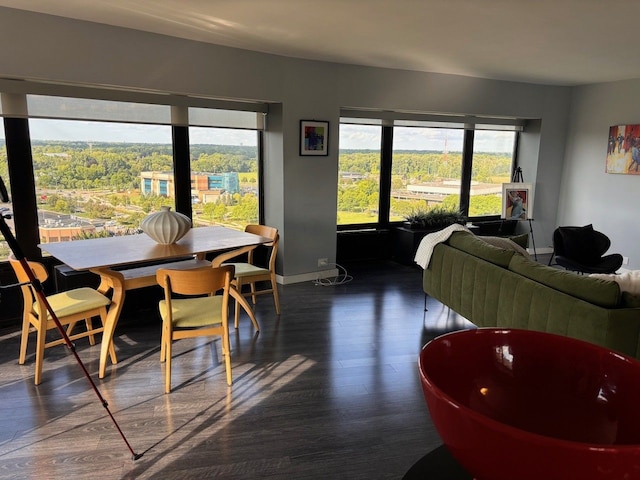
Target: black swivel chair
582, 249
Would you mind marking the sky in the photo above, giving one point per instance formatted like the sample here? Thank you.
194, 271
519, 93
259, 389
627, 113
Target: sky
411, 138
351, 136
75, 130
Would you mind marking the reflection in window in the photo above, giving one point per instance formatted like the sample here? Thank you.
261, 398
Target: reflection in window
359, 174
224, 176
89, 176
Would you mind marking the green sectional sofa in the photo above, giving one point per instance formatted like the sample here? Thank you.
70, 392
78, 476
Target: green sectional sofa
496, 287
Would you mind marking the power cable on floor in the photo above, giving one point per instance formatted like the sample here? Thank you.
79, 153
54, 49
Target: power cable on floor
340, 279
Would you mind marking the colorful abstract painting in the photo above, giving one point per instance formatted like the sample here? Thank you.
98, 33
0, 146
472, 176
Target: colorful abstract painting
623, 150
314, 137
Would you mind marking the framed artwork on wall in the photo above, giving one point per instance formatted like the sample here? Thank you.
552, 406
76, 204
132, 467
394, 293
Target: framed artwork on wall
517, 201
623, 150
314, 137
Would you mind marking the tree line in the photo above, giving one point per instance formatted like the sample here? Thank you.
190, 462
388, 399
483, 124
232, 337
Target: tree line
415, 167
96, 165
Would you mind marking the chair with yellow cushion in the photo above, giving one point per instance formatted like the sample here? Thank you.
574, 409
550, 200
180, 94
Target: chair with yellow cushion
250, 273
192, 308
70, 307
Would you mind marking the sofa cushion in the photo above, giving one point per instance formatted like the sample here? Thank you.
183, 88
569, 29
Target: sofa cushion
477, 247
604, 293
522, 240
630, 300
628, 281
506, 244
578, 242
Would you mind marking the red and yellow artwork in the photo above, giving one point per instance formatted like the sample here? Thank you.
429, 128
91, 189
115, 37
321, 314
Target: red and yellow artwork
623, 150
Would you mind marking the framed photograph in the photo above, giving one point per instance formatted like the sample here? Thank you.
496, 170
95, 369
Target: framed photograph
517, 201
623, 150
314, 137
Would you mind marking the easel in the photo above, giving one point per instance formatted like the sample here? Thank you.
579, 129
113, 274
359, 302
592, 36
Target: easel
518, 178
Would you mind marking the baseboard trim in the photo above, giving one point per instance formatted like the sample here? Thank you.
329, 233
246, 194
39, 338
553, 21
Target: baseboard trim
306, 277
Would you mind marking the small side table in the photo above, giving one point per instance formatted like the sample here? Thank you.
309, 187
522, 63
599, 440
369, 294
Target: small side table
438, 464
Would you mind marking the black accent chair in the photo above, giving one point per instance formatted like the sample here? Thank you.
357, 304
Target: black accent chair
582, 249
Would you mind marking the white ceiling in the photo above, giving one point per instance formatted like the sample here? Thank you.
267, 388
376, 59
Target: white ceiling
558, 42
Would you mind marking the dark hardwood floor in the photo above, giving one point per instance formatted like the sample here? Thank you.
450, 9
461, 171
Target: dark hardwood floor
330, 389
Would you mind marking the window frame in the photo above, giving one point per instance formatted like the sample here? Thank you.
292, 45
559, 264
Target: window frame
15, 115
388, 120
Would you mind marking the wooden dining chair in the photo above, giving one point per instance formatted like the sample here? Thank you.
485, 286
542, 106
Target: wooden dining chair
70, 307
193, 307
250, 273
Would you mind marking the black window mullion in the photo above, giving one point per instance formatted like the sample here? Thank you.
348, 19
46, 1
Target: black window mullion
182, 169
386, 160
23, 189
465, 178
514, 156
261, 182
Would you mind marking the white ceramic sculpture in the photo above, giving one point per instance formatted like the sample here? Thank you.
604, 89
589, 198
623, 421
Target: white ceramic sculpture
166, 227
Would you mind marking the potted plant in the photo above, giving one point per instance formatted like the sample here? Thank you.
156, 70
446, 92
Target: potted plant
417, 224
436, 218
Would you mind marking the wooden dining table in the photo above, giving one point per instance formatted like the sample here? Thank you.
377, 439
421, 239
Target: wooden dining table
131, 261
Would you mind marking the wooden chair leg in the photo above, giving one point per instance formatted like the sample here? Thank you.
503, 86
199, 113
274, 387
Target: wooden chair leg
112, 353
167, 367
226, 353
70, 328
163, 343
112, 349
253, 292
89, 324
242, 302
24, 340
276, 298
40, 343
236, 315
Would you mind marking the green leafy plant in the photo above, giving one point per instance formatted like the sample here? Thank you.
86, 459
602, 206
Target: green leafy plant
437, 217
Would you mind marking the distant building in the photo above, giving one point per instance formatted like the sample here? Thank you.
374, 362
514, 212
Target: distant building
229, 182
352, 176
63, 229
204, 186
435, 192
157, 183
449, 187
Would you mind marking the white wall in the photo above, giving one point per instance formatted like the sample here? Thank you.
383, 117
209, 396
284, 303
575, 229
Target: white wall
300, 191
588, 194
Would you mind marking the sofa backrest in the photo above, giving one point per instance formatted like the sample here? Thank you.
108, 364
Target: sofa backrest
477, 247
494, 296
600, 292
604, 293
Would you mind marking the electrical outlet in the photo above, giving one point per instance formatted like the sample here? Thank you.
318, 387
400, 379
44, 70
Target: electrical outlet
323, 262
625, 260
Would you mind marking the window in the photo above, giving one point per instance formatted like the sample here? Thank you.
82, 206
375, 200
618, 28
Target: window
399, 162
426, 171
88, 176
224, 176
100, 164
491, 167
359, 174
